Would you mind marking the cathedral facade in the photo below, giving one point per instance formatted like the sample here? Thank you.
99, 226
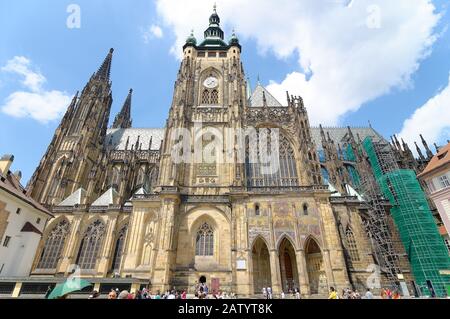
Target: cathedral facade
127, 211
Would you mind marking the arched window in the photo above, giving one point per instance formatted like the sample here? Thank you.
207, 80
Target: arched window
118, 251
141, 178
214, 97
90, 245
305, 210
325, 174
205, 97
51, 253
351, 244
257, 211
204, 244
283, 175
115, 177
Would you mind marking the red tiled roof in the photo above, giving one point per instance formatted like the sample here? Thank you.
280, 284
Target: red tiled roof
438, 160
11, 184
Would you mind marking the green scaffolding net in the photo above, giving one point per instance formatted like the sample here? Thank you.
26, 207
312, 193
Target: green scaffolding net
419, 234
351, 170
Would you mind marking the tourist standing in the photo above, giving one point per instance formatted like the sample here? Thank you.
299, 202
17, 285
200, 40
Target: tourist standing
264, 292
369, 294
333, 294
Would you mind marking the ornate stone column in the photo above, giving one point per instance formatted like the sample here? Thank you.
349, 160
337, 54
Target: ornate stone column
69, 253
302, 272
108, 245
275, 272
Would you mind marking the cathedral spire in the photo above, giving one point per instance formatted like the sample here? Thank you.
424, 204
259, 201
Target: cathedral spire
123, 119
214, 35
104, 71
419, 151
427, 149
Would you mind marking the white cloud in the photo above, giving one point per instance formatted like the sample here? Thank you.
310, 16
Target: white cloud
21, 66
151, 32
39, 104
43, 106
431, 119
349, 52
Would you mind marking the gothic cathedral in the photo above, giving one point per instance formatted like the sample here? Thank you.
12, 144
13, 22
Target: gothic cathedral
128, 213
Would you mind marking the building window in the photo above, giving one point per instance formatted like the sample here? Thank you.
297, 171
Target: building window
204, 244
444, 181
18, 211
38, 221
212, 54
90, 245
201, 54
305, 210
6, 241
118, 252
223, 54
52, 251
257, 211
210, 97
351, 245
205, 97
258, 174
214, 97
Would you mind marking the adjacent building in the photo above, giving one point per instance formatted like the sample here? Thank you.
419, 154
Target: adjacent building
22, 222
436, 177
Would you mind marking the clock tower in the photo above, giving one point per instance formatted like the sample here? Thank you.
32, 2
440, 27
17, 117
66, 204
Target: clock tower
209, 100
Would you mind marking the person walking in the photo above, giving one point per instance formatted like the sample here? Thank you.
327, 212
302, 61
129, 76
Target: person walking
282, 295
264, 292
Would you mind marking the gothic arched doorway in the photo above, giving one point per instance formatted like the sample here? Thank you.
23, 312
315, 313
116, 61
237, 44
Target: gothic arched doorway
315, 267
288, 266
261, 266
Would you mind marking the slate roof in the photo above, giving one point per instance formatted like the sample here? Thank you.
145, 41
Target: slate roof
76, 198
116, 139
256, 100
109, 197
340, 134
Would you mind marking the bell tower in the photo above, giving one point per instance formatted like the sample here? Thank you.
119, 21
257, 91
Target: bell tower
209, 99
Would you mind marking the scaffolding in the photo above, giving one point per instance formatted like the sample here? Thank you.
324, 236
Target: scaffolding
376, 223
426, 250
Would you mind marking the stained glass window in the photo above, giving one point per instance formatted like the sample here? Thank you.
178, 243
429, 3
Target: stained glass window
205, 241
52, 251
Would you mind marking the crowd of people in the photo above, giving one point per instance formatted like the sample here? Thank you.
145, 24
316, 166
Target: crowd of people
348, 293
201, 291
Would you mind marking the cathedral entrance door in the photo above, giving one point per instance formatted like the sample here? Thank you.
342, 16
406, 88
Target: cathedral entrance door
261, 266
215, 285
315, 266
288, 266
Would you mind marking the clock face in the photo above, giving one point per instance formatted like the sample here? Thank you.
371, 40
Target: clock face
211, 82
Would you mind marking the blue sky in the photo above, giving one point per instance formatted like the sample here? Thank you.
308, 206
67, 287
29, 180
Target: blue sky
65, 57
